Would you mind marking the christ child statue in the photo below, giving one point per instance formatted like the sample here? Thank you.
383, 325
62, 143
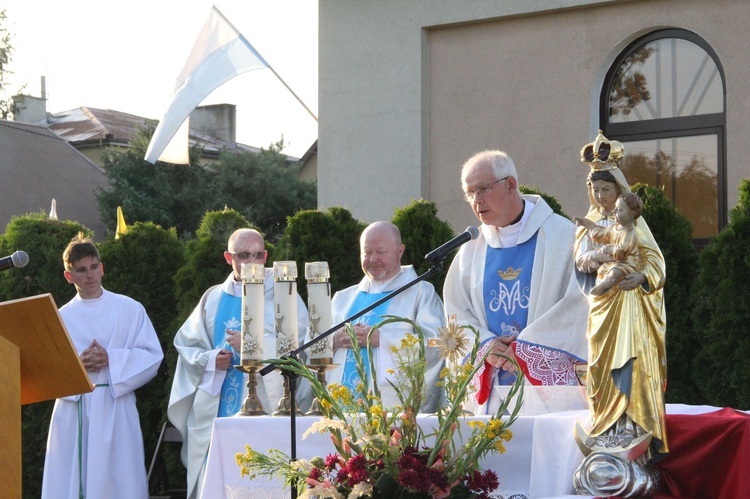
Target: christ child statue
619, 243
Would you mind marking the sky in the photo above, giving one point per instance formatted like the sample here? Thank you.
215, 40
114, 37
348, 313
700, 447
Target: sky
125, 56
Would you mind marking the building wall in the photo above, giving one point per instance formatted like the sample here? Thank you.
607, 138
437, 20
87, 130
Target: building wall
410, 89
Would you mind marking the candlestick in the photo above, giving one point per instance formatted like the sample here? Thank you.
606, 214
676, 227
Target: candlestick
252, 312
285, 306
319, 306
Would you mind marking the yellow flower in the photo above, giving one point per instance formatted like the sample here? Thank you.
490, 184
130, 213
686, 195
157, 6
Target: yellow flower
377, 411
408, 341
495, 424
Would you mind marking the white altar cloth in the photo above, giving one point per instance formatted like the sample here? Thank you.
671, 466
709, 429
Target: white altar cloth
539, 461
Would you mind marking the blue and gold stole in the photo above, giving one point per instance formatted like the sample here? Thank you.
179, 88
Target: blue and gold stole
350, 377
228, 317
507, 287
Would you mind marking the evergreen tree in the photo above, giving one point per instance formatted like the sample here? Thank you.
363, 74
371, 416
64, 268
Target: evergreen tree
165, 194
721, 314
421, 232
204, 260
140, 264
551, 200
264, 188
673, 233
7, 105
331, 236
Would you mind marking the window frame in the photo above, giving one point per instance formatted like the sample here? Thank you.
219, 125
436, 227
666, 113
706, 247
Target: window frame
667, 128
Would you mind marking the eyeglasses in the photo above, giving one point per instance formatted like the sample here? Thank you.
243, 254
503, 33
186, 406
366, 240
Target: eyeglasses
249, 255
470, 196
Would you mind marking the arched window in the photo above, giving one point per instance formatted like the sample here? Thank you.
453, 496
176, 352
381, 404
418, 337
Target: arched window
664, 99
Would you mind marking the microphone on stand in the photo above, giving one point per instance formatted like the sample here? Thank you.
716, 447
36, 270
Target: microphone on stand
17, 259
439, 253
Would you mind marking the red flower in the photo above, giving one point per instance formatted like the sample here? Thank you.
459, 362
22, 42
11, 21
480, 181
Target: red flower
483, 483
315, 473
332, 460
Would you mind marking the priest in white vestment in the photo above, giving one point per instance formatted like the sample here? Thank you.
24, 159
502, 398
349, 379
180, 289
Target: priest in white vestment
380, 254
205, 385
515, 283
95, 444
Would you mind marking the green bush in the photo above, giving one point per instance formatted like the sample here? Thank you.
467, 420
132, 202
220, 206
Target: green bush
204, 259
673, 233
140, 264
551, 200
721, 313
44, 240
421, 232
331, 236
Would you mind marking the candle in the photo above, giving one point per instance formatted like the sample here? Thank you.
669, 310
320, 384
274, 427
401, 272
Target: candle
252, 312
319, 306
285, 306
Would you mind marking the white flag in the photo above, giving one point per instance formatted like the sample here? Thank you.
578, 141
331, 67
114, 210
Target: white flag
219, 54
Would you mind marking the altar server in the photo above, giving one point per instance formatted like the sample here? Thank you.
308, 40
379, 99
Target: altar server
95, 445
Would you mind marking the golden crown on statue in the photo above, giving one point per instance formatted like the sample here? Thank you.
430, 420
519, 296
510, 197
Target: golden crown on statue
602, 154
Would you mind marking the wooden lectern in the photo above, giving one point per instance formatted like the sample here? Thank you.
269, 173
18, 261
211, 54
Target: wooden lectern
38, 362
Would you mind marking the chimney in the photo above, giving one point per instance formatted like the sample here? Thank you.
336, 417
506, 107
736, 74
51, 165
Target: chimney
217, 120
31, 109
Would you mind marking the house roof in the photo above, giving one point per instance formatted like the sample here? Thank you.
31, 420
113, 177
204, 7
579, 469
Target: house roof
94, 127
91, 125
37, 166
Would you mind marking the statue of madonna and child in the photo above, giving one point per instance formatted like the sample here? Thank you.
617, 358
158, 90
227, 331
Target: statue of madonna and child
622, 270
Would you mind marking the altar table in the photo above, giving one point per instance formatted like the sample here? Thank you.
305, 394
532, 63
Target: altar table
539, 461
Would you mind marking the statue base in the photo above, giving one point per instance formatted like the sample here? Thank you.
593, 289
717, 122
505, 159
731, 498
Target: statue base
607, 475
616, 470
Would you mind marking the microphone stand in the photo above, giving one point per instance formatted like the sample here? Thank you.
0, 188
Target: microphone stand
291, 377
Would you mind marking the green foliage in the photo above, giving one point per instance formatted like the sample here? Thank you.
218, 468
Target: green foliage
264, 188
140, 264
421, 232
165, 194
721, 313
551, 200
204, 260
331, 236
673, 233
44, 240
7, 106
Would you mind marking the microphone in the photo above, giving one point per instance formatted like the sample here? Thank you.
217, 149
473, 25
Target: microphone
17, 259
439, 254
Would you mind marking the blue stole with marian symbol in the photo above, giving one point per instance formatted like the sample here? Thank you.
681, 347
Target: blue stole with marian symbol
351, 378
227, 318
507, 286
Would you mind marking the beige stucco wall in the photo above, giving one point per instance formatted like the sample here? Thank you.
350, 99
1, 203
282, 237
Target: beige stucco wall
410, 89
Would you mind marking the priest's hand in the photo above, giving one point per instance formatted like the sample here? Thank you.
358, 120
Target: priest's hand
94, 357
223, 359
341, 338
499, 350
234, 338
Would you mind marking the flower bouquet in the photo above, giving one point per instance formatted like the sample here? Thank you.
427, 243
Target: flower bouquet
382, 452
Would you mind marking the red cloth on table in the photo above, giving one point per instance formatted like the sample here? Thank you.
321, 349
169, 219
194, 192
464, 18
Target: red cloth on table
709, 455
